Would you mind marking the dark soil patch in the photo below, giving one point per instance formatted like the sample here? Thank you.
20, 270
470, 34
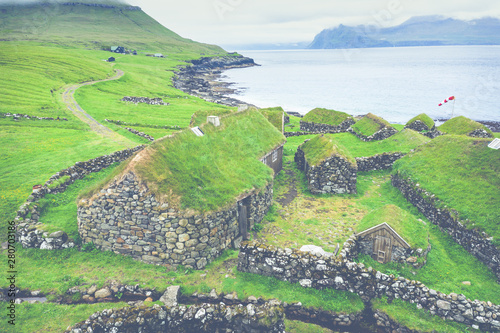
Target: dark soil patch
292, 189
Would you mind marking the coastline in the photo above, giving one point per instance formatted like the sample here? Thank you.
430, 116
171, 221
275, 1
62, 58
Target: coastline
201, 79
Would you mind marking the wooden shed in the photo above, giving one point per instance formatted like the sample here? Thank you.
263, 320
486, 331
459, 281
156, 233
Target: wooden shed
383, 242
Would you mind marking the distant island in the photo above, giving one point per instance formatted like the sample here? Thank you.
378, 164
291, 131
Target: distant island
417, 31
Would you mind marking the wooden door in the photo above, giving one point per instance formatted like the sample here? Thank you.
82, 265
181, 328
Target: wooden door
382, 249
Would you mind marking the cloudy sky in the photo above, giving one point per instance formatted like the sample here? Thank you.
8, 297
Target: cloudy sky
238, 22
232, 22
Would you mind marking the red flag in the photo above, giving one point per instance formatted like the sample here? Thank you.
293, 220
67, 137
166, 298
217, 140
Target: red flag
451, 98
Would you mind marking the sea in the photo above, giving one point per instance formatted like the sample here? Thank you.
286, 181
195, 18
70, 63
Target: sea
393, 83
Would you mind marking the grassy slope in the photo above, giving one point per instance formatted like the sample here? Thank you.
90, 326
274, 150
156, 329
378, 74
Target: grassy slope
423, 118
415, 319
322, 147
463, 173
325, 116
94, 28
274, 116
403, 222
211, 171
34, 318
403, 142
461, 126
369, 125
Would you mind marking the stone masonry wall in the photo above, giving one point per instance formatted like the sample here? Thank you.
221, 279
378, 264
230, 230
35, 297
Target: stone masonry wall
182, 319
324, 128
334, 175
28, 233
378, 162
320, 272
382, 134
419, 126
475, 242
126, 218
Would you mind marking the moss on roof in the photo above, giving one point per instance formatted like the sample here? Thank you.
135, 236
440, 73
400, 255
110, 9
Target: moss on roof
274, 116
209, 172
370, 124
464, 174
423, 118
200, 117
413, 231
402, 142
461, 126
325, 116
322, 147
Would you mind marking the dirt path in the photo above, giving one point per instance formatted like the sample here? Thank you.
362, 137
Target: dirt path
68, 97
292, 189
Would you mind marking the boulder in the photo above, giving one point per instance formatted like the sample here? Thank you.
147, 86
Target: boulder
170, 296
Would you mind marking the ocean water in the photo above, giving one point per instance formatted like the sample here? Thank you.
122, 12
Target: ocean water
394, 83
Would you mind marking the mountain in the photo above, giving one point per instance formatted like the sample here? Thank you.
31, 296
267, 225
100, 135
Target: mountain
94, 24
417, 31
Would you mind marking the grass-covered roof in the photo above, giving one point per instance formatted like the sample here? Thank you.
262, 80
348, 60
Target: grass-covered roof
461, 126
404, 223
369, 125
322, 147
325, 116
402, 142
275, 116
209, 172
464, 174
423, 118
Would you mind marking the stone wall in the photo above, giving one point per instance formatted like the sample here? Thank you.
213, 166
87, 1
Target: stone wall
290, 134
146, 100
475, 242
382, 134
334, 175
419, 126
378, 162
320, 272
265, 318
126, 218
386, 324
480, 133
17, 116
141, 134
324, 128
28, 233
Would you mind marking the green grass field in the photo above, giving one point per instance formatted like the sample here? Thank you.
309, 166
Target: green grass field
369, 125
325, 116
322, 147
423, 118
463, 173
462, 126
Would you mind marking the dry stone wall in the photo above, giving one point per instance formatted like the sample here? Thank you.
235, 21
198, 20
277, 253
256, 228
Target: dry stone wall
266, 318
378, 162
477, 243
382, 134
334, 175
141, 134
146, 100
324, 128
419, 126
126, 218
320, 272
480, 133
27, 219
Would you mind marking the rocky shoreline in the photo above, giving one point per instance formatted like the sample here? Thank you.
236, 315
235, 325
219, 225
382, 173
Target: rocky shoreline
201, 78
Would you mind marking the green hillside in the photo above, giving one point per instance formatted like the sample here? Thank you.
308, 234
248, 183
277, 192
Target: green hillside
463, 173
325, 116
209, 172
62, 23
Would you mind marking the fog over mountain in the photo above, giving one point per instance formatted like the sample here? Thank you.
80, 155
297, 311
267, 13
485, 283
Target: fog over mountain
417, 31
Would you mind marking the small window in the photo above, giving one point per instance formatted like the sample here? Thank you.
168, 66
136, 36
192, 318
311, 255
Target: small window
275, 156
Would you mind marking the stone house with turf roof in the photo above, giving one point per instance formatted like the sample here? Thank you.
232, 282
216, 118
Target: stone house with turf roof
156, 222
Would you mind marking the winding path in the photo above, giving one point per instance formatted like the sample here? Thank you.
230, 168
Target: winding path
68, 98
